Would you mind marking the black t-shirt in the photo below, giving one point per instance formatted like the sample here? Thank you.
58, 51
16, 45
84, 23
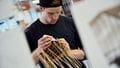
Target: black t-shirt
64, 28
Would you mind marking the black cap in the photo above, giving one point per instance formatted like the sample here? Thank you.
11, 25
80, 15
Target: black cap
50, 3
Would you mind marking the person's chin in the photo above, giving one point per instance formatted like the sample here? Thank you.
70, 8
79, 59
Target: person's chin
52, 22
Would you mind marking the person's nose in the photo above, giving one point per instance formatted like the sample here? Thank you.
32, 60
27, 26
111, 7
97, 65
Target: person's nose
55, 16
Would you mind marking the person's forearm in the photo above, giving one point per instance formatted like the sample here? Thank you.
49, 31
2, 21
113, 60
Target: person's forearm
35, 57
36, 54
77, 54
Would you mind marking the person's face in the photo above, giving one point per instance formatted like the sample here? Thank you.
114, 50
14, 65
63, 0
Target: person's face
51, 15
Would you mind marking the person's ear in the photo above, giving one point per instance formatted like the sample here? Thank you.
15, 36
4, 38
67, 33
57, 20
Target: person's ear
42, 8
39, 9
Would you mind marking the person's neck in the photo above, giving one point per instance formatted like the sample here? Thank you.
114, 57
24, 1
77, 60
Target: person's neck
43, 21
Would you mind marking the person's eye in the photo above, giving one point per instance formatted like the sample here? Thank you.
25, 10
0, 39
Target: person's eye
50, 13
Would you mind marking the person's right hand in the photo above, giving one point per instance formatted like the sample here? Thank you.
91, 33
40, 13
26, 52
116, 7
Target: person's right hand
43, 43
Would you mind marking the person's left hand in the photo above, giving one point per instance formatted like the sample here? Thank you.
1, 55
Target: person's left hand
63, 43
76, 53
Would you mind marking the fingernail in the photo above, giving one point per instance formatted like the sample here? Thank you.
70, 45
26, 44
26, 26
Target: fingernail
53, 39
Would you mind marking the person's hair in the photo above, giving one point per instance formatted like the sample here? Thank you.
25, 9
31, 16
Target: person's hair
50, 3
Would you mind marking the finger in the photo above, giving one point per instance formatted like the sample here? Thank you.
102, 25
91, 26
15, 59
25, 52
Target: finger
63, 43
45, 37
45, 45
44, 41
62, 40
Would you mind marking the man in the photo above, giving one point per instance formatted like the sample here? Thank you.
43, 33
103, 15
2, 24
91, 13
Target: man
52, 25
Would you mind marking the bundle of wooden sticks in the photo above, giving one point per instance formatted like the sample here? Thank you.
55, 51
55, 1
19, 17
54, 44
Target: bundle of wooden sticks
58, 56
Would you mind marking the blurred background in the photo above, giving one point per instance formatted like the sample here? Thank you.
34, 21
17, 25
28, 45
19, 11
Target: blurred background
24, 12
102, 17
